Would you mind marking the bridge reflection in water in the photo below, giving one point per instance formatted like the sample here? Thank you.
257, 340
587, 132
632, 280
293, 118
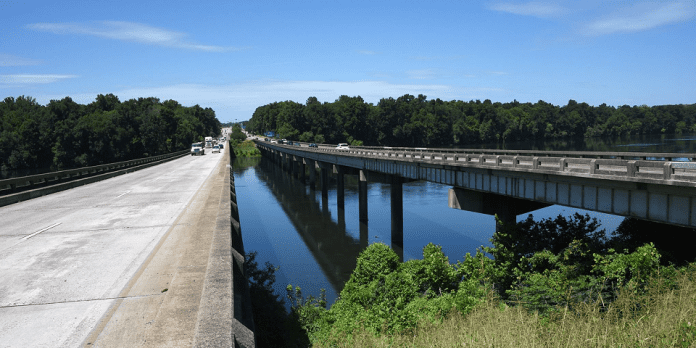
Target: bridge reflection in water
332, 246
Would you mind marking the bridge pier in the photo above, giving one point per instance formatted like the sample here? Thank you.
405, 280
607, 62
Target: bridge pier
302, 168
397, 215
340, 188
362, 196
505, 207
324, 167
312, 173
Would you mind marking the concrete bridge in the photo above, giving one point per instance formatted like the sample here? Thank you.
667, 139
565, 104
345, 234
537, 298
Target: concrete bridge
146, 258
652, 186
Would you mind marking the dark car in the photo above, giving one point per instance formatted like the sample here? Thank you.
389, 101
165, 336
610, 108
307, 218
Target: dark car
313, 145
297, 144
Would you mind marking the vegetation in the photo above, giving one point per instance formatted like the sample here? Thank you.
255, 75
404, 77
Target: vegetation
246, 148
563, 284
64, 134
416, 121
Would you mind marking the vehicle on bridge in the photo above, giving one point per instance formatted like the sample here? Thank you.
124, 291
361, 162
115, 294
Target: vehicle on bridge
313, 145
216, 148
197, 149
208, 141
342, 146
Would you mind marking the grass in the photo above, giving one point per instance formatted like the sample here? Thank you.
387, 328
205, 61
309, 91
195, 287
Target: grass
246, 149
660, 316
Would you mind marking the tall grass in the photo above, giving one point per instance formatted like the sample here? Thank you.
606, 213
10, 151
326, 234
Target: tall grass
661, 315
245, 149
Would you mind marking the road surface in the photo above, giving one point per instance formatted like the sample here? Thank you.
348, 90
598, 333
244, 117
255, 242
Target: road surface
70, 259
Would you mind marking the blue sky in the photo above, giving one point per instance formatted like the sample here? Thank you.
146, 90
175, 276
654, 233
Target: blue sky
234, 56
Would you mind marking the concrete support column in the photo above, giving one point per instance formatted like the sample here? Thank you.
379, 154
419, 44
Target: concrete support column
340, 193
312, 173
363, 235
301, 164
362, 197
295, 166
397, 213
324, 167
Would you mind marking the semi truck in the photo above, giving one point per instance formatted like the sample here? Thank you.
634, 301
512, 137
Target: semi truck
208, 141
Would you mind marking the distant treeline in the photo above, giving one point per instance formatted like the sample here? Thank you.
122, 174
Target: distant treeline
416, 121
65, 134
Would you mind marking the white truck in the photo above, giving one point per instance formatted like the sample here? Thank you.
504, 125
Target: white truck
208, 141
197, 149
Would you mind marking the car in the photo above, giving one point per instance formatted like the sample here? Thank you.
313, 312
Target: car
313, 145
288, 142
197, 149
266, 139
342, 146
221, 145
274, 141
297, 143
216, 148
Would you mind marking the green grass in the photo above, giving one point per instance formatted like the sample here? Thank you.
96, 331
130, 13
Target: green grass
660, 316
246, 149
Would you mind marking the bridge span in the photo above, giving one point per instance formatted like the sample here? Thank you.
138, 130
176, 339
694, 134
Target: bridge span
152, 258
659, 187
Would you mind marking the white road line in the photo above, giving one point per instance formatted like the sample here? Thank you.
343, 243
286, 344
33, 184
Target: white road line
41, 230
121, 195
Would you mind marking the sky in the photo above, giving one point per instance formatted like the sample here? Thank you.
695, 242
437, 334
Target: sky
234, 56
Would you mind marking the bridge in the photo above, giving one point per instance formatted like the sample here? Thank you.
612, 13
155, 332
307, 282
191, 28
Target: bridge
659, 187
124, 255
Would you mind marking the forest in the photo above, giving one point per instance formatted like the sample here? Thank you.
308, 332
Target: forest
417, 121
65, 134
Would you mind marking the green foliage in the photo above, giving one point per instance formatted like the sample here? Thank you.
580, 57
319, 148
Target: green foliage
416, 121
64, 134
244, 149
384, 296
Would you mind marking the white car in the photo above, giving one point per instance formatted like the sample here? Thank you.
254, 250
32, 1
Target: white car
216, 148
342, 146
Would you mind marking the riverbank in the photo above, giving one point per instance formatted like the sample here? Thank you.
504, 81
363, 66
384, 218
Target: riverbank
247, 148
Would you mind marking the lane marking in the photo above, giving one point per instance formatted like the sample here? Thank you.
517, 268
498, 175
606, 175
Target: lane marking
123, 194
42, 230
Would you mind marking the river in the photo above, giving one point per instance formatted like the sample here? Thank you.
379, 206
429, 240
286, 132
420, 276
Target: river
315, 245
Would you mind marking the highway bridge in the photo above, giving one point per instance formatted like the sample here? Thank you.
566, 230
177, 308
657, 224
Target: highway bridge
151, 257
659, 187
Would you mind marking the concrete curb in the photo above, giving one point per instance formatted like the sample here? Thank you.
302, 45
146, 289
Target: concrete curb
27, 195
225, 315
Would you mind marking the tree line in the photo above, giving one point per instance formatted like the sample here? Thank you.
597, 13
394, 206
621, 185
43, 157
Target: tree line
65, 134
417, 121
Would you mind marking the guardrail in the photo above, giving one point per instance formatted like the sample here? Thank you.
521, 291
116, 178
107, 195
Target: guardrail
641, 166
27, 187
29, 182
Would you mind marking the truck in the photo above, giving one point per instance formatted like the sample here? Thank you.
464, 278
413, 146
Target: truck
208, 141
197, 149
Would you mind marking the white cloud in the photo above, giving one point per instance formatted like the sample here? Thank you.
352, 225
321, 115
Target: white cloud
128, 31
422, 74
642, 17
32, 79
10, 60
534, 8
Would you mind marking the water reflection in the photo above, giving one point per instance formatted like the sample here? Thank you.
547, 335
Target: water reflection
332, 246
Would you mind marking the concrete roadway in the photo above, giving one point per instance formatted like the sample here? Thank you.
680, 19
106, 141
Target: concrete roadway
74, 263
